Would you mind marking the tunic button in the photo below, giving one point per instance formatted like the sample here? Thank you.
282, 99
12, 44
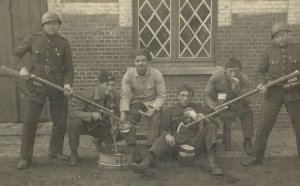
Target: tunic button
47, 59
283, 61
282, 49
48, 40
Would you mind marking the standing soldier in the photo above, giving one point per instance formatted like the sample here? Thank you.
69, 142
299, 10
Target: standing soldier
278, 60
227, 84
51, 59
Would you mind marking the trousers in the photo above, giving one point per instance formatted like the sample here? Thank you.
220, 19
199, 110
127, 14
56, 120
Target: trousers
245, 114
153, 124
270, 109
202, 142
32, 112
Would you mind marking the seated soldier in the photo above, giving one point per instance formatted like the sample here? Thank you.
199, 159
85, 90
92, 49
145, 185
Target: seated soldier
227, 84
86, 119
201, 140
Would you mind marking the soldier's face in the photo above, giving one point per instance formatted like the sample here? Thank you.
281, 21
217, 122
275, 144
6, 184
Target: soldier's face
51, 27
107, 86
233, 72
141, 64
281, 37
184, 98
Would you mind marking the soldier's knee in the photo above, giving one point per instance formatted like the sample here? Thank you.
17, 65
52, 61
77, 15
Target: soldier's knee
73, 124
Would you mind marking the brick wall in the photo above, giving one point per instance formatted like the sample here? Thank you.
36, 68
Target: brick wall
100, 33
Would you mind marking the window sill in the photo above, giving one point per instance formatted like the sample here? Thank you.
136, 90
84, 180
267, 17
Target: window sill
188, 70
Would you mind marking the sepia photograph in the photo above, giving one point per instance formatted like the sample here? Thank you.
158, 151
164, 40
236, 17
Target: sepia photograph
150, 93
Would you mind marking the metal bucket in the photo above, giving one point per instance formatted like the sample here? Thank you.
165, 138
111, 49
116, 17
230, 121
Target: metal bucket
108, 159
187, 155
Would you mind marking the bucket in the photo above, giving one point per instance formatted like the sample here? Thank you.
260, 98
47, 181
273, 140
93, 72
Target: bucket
108, 159
187, 156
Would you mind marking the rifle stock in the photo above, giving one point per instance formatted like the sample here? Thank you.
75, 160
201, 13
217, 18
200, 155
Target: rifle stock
226, 105
9, 72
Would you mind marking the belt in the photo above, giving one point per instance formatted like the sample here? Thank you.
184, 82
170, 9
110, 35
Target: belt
293, 84
45, 68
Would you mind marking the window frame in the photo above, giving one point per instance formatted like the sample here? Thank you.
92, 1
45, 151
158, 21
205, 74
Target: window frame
175, 62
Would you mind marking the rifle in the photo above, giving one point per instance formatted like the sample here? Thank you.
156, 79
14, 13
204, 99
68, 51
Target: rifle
226, 105
9, 72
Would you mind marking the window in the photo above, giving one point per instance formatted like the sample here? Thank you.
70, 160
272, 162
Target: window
176, 30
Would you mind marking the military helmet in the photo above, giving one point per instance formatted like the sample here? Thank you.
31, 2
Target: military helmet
50, 16
279, 26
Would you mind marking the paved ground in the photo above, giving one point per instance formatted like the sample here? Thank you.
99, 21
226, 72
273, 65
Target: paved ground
281, 166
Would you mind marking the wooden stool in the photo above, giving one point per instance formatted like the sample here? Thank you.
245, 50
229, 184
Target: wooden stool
227, 117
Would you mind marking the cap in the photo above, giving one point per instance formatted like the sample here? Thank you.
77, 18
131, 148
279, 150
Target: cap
105, 76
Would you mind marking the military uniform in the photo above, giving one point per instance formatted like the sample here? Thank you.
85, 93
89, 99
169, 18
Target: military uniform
278, 61
200, 138
80, 117
51, 59
219, 83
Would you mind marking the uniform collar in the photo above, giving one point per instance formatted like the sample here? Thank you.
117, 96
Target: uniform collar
45, 36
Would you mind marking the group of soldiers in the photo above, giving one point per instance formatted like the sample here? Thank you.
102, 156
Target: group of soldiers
143, 93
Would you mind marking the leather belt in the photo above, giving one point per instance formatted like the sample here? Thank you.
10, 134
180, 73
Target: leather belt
293, 84
46, 68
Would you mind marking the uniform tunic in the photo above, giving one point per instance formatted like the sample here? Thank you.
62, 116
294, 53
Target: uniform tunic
80, 116
51, 59
202, 138
219, 83
276, 62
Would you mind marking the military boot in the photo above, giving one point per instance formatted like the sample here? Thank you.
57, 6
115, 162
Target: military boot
214, 169
74, 159
146, 162
24, 163
251, 162
98, 143
247, 144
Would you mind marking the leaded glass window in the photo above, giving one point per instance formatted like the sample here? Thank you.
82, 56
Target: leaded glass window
154, 26
176, 29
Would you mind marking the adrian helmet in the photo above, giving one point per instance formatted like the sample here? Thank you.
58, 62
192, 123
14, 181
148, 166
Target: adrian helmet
279, 26
50, 16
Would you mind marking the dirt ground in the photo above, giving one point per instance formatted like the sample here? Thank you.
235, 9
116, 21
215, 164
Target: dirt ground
281, 167
46, 172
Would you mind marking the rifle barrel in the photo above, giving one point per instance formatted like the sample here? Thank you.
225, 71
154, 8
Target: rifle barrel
10, 72
268, 85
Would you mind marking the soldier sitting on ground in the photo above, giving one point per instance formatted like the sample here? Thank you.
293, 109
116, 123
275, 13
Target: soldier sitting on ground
202, 140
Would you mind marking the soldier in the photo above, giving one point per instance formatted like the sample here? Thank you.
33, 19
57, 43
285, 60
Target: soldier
278, 60
202, 140
143, 91
86, 119
51, 59
227, 84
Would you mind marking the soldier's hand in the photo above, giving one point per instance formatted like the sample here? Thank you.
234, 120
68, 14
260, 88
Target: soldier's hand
68, 90
24, 73
149, 112
96, 116
170, 140
235, 84
201, 116
262, 88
